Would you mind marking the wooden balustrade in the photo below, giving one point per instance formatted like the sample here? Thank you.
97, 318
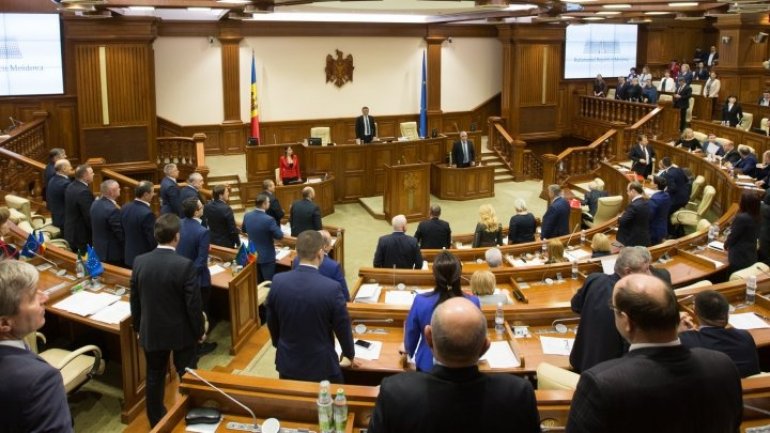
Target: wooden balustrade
21, 169
187, 153
512, 151
29, 139
612, 110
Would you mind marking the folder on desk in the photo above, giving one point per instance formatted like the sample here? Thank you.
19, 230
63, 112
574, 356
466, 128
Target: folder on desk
399, 297
368, 293
500, 355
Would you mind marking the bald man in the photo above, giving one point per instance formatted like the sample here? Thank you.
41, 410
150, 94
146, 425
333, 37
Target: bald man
305, 214
455, 396
660, 385
398, 250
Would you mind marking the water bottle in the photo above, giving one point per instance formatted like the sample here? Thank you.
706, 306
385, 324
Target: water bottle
234, 267
582, 237
80, 269
325, 409
713, 233
751, 289
574, 270
544, 246
499, 319
340, 411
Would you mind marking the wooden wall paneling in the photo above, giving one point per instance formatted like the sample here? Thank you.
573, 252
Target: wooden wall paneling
433, 94
215, 144
408, 152
167, 128
352, 178
231, 78
64, 127
530, 73
259, 163
233, 138
377, 158
116, 144
88, 85
128, 84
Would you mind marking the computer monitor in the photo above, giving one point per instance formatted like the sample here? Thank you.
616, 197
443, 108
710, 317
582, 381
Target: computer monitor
314, 141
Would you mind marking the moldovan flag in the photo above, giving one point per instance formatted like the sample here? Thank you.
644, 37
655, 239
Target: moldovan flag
254, 101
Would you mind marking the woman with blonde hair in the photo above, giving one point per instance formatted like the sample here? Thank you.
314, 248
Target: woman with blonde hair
489, 231
483, 286
600, 245
555, 252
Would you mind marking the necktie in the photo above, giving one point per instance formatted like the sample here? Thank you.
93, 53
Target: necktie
366, 125
663, 86
465, 152
646, 155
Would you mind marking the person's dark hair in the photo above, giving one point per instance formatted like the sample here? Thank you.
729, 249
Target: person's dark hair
750, 204
189, 206
648, 312
640, 138
446, 272
286, 151
660, 181
636, 186
666, 161
217, 191
143, 188
712, 307
308, 244
55, 153
261, 199
81, 171
166, 228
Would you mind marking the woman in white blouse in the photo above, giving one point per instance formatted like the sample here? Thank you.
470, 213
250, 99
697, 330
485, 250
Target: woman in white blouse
712, 85
645, 75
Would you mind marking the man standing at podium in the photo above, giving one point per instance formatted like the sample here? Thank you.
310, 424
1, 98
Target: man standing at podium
463, 154
366, 127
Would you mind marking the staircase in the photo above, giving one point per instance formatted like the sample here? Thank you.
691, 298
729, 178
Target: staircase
236, 201
502, 174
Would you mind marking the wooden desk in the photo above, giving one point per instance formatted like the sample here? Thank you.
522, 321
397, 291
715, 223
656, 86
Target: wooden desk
242, 297
406, 191
451, 183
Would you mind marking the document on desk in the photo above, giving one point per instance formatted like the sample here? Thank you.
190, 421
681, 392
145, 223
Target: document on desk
399, 297
758, 429
557, 346
286, 229
368, 293
719, 246
114, 313
215, 269
85, 303
372, 353
281, 254
608, 264
747, 321
578, 254
202, 428
500, 355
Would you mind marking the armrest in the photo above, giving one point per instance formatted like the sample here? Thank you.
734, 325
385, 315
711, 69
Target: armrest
38, 221
97, 368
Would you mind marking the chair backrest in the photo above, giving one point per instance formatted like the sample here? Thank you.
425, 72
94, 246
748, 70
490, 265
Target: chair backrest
607, 208
611, 93
764, 124
409, 130
721, 141
701, 283
697, 187
755, 269
708, 197
322, 132
550, 376
703, 225
20, 204
700, 136
689, 109
746, 121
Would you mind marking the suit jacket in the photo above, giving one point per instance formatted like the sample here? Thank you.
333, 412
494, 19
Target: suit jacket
304, 311
732, 115
166, 301
54, 199
681, 390
702, 74
139, 229
634, 224
77, 215
732, 156
735, 343
188, 192
741, 244
457, 153
636, 155
194, 242
591, 199
521, 228
747, 165
621, 91
597, 339
454, 400
397, 249
221, 222
764, 231
556, 219
304, 215
684, 92
678, 186
262, 229
484, 238
433, 233
107, 231
275, 209
329, 268
50, 171
169, 197
33, 399
659, 205
360, 130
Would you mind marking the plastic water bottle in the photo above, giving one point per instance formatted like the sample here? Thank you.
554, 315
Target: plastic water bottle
751, 289
80, 269
499, 319
325, 409
713, 233
340, 411
582, 237
574, 270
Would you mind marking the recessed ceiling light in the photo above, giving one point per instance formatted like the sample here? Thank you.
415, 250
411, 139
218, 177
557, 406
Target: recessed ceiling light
683, 4
141, 8
657, 13
608, 13
593, 18
617, 6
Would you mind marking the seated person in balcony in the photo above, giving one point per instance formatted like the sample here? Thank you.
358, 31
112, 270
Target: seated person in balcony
712, 86
659, 204
711, 146
556, 217
621, 91
667, 84
555, 251
634, 222
688, 141
732, 112
642, 156
7, 250
701, 72
521, 227
649, 93
764, 100
591, 198
685, 73
634, 92
645, 75
600, 87
600, 245
483, 286
748, 162
731, 155
493, 257
289, 167
632, 74
712, 309
489, 231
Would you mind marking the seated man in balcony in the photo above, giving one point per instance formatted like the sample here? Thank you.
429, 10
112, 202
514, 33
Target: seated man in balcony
649, 92
711, 146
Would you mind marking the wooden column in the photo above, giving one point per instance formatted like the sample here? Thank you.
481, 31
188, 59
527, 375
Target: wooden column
231, 78
434, 83
740, 56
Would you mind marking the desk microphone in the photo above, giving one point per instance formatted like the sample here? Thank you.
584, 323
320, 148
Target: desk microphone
60, 272
244, 427
388, 320
754, 408
577, 226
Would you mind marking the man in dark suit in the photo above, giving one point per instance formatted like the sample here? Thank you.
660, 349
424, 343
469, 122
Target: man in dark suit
138, 223
660, 385
643, 156
634, 223
77, 209
166, 309
731, 153
32, 398
712, 310
106, 225
304, 214
275, 210
329, 267
398, 249
169, 191
262, 231
455, 396
55, 154
678, 187
366, 126
463, 153
221, 221
304, 310
682, 101
434, 233
192, 189
597, 339
556, 217
54, 193
621, 91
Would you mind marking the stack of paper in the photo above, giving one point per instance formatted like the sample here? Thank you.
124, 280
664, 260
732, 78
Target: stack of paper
608, 264
215, 269
371, 353
577, 255
86, 303
399, 297
557, 346
368, 293
747, 321
500, 355
113, 314
717, 245
282, 253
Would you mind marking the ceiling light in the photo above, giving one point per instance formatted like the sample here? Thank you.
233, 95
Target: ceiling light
639, 21
340, 17
141, 8
617, 6
593, 18
657, 13
683, 4
608, 13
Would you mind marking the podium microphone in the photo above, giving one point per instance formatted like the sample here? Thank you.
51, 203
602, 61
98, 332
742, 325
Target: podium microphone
242, 427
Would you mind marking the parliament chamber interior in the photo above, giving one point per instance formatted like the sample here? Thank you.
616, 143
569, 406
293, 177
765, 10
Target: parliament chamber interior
389, 108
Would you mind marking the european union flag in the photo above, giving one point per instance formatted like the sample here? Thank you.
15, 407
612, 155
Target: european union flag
424, 100
241, 258
32, 246
94, 266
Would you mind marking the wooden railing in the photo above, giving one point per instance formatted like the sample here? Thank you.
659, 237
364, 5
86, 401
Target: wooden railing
21, 169
189, 154
611, 110
522, 163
